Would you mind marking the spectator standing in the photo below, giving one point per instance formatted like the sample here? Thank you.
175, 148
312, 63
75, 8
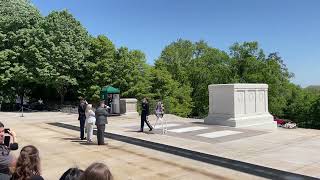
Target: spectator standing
101, 121
82, 117
90, 121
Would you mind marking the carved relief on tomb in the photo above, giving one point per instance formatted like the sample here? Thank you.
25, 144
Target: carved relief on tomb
240, 102
251, 102
260, 102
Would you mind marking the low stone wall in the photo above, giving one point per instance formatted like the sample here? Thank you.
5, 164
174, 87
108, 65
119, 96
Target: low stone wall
69, 109
128, 107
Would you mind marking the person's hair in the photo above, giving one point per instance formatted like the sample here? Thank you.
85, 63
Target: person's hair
72, 174
146, 99
101, 102
1, 125
89, 107
97, 171
28, 163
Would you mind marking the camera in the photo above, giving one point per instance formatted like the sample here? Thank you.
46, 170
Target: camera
7, 140
6, 130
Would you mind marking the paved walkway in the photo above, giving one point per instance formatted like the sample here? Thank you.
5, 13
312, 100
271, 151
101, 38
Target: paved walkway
196, 130
288, 150
61, 149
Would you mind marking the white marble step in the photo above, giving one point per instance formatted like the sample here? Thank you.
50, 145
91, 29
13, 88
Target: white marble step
187, 129
159, 126
218, 134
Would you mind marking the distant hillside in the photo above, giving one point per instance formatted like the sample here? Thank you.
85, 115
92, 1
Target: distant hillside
315, 87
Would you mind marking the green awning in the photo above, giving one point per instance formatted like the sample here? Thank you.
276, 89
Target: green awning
110, 90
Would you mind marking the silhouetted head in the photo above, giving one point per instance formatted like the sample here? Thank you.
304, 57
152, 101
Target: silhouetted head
72, 174
97, 171
102, 104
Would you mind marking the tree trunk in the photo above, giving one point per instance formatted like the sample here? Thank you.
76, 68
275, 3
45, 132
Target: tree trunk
21, 94
61, 98
62, 92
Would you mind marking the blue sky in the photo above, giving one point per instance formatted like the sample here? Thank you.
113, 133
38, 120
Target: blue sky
289, 27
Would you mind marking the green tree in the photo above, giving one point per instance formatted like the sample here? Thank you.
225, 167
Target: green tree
97, 71
20, 49
243, 55
176, 58
195, 66
68, 50
298, 106
315, 113
176, 97
128, 72
212, 67
251, 66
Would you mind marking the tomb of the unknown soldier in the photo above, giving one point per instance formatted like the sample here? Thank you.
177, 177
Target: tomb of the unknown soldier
239, 105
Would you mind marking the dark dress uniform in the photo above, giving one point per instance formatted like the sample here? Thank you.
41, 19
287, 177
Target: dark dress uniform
144, 114
82, 118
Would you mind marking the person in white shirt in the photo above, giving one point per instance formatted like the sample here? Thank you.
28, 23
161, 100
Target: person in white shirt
159, 112
90, 121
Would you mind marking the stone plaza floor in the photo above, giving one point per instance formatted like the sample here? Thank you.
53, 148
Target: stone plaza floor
294, 151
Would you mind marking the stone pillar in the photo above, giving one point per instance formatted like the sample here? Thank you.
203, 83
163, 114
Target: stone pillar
128, 107
239, 105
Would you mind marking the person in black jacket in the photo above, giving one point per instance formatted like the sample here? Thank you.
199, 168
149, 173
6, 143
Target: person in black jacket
82, 117
145, 114
6, 159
